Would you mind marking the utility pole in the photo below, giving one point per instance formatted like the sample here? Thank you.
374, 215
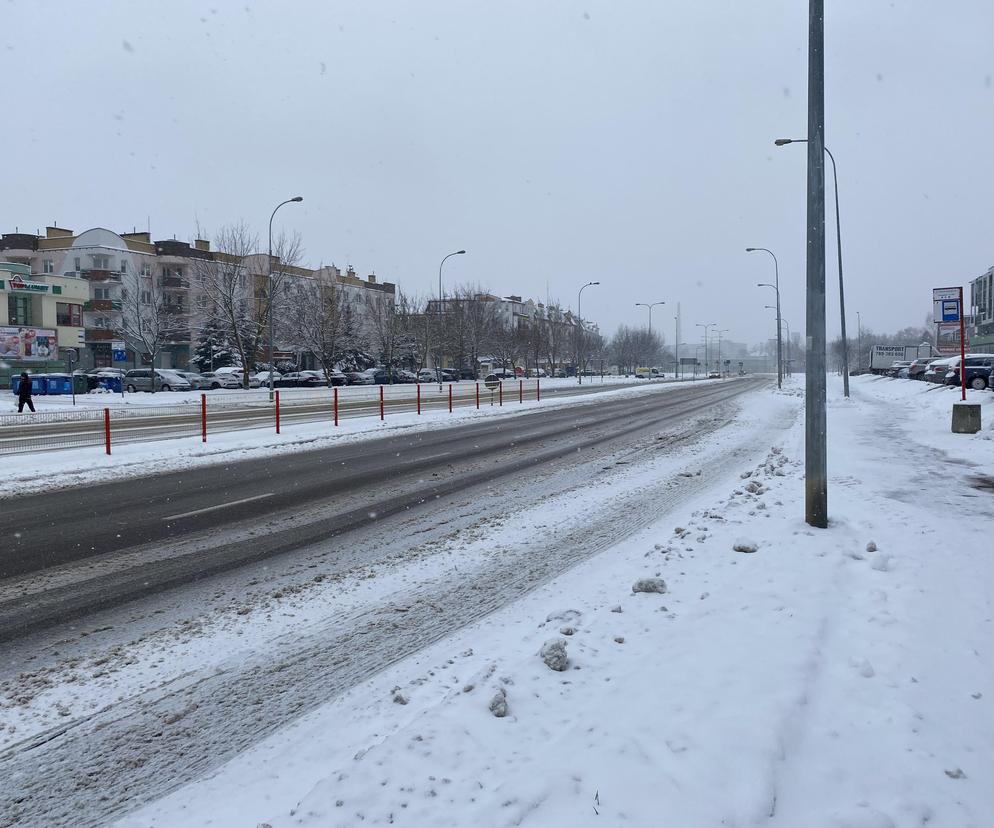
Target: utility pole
815, 435
676, 343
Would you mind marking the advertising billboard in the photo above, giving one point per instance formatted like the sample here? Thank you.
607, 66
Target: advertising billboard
28, 344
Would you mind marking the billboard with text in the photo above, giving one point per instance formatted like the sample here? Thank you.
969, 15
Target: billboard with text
28, 344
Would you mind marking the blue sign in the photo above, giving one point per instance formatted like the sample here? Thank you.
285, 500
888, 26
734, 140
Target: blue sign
120, 356
950, 310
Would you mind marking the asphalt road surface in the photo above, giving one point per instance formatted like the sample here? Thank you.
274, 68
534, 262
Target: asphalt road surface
369, 480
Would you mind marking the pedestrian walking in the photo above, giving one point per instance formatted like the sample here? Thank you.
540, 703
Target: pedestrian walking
24, 393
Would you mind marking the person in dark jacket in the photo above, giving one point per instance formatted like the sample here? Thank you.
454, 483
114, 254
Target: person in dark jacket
24, 393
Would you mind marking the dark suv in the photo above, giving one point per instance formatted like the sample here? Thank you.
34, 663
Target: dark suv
978, 372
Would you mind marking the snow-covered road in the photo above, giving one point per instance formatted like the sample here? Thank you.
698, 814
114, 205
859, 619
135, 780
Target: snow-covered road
830, 678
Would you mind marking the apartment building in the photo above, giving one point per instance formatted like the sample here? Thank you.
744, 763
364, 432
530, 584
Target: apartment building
41, 316
101, 264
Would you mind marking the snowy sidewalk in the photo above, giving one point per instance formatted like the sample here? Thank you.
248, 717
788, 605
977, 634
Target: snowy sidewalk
829, 678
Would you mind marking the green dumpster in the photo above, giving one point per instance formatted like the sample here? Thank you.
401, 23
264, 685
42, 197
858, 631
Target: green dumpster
80, 385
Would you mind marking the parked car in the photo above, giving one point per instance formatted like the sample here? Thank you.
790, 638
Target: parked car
896, 367
936, 371
358, 378
140, 379
263, 378
916, 370
300, 379
215, 380
197, 381
978, 371
503, 373
536, 372
432, 375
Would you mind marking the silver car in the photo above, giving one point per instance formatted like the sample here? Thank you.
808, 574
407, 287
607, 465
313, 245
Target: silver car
140, 379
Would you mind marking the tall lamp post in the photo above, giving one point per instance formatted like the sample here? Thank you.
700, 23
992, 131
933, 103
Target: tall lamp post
783, 322
438, 362
776, 287
706, 325
780, 142
650, 306
272, 297
579, 331
720, 332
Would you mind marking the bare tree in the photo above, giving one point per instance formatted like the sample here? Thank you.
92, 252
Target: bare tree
237, 295
150, 317
505, 344
557, 334
325, 322
391, 322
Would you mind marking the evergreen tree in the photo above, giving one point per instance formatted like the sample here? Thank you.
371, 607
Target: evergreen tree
214, 348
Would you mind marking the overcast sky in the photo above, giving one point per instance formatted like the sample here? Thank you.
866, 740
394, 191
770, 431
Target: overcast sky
558, 142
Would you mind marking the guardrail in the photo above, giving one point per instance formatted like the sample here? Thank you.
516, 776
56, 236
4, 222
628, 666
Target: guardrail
219, 413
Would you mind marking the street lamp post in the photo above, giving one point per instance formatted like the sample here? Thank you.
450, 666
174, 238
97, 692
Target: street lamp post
579, 331
780, 142
650, 306
776, 287
272, 296
438, 362
720, 332
706, 325
786, 362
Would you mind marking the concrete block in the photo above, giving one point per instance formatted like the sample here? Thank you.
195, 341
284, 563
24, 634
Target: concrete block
966, 418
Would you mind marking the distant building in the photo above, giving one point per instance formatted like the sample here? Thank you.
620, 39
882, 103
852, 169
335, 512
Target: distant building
982, 303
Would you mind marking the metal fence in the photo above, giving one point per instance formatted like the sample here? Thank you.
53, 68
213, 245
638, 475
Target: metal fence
223, 412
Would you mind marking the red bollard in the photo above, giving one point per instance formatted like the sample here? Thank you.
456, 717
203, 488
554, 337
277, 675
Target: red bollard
419, 399
107, 429
538, 390
336, 405
450, 397
277, 412
500, 391
203, 418
478, 395
381, 402
521, 391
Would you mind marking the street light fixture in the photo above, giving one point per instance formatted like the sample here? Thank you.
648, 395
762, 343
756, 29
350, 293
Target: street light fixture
650, 306
787, 360
720, 332
579, 331
706, 325
776, 287
438, 362
272, 296
780, 142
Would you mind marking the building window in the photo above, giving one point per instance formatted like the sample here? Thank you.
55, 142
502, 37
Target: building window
124, 265
68, 314
101, 262
77, 265
145, 297
101, 293
147, 270
48, 266
19, 310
